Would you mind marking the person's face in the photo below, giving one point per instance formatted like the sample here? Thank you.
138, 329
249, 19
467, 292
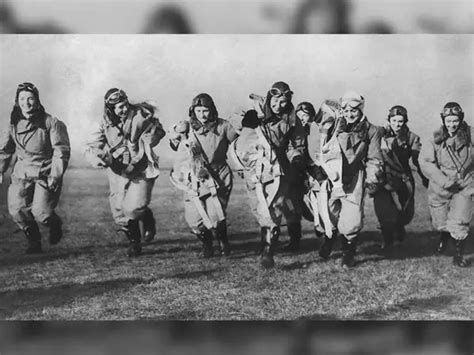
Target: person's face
352, 114
27, 102
121, 109
304, 117
396, 123
202, 113
278, 104
452, 124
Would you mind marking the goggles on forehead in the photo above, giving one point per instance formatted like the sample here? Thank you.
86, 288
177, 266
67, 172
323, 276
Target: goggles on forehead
448, 111
354, 101
26, 86
351, 104
116, 97
306, 109
201, 102
277, 93
395, 111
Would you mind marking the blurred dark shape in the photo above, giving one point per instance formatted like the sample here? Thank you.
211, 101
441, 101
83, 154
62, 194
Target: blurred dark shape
429, 24
9, 24
301, 343
43, 28
461, 334
168, 19
377, 27
322, 16
302, 337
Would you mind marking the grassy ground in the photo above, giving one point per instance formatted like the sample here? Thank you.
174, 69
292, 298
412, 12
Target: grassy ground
88, 276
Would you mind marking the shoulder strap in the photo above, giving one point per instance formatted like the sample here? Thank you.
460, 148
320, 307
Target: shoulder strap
201, 150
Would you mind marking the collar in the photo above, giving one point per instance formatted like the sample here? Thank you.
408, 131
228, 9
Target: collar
458, 141
270, 117
403, 136
203, 128
36, 121
356, 127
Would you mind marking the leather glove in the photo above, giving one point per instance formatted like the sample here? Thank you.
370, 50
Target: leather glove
372, 188
318, 173
53, 183
452, 185
250, 119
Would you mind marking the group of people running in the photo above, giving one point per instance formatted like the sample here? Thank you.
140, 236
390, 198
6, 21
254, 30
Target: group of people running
297, 162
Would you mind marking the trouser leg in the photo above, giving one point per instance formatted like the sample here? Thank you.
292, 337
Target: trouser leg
20, 199
334, 214
118, 187
43, 206
387, 215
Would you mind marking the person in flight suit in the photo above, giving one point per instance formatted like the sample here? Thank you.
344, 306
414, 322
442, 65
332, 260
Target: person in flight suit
299, 185
42, 148
283, 134
122, 142
448, 162
394, 202
357, 142
202, 172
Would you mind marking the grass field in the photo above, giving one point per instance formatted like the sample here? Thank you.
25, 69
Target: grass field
88, 276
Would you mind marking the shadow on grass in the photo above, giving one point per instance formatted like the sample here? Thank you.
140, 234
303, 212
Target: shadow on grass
243, 249
412, 305
191, 238
162, 251
35, 299
194, 274
298, 265
250, 246
57, 254
370, 259
416, 245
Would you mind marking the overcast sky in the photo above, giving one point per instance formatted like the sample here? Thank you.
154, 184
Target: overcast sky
74, 72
